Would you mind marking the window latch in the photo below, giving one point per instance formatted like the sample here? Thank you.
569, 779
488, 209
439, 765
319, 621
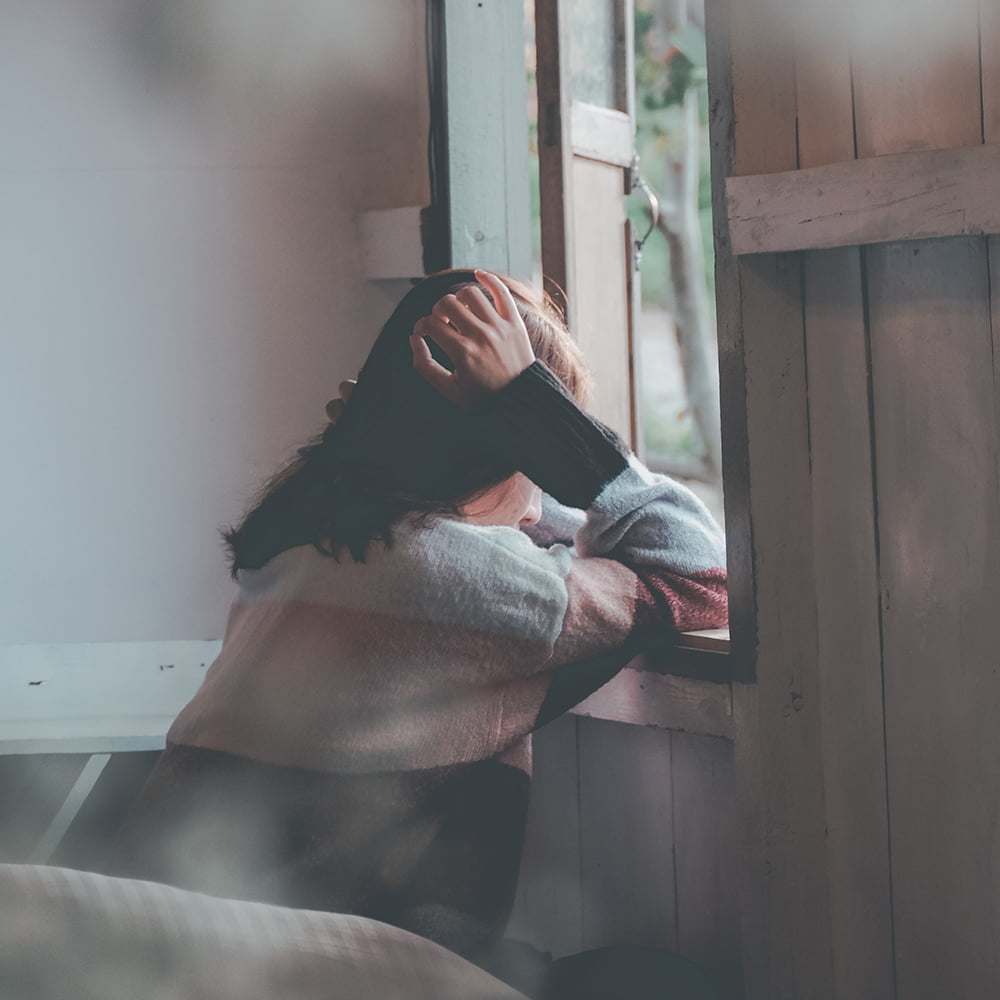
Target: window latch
636, 180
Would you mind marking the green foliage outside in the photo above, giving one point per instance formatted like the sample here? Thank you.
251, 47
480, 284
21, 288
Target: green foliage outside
661, 85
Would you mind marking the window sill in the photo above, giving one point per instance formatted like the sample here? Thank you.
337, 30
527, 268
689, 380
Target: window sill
684, 687
715, 640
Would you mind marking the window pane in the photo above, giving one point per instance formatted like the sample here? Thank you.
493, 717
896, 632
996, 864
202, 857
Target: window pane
593, 38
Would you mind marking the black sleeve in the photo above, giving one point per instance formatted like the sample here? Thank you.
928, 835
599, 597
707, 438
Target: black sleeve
536, 423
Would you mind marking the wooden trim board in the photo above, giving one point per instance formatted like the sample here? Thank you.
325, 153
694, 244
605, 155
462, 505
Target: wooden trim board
647, 698
878, 199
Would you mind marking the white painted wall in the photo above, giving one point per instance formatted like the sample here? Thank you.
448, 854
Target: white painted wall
180, 191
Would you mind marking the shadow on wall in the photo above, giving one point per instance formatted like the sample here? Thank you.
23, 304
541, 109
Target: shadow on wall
182, 190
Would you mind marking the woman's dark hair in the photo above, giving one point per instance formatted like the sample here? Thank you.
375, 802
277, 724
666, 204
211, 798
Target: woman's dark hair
398, 447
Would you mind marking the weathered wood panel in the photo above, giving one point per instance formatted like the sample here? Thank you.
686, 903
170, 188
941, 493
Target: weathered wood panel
787, 665
849, 637
751, 844
936, 448
645, 698
797, 912
937, 460
626, 830
989, 56
548, 912
844, 538
705, 832
916, 81
729, 333
784, 910
907, 196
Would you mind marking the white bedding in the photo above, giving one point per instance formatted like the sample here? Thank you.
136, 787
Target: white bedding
69, 935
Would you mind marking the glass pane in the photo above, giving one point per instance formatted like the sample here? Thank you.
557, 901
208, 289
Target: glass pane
593, 38
678, 385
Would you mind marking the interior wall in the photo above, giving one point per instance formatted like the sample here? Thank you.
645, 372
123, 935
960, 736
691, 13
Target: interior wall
181, 193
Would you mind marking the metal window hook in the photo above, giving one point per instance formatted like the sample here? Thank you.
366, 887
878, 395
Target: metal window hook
636, 180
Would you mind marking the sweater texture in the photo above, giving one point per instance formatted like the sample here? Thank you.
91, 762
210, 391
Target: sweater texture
362, 743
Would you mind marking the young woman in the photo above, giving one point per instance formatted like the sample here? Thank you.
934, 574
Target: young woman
410, 607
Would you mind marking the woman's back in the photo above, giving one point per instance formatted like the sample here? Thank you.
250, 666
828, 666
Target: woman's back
363, 741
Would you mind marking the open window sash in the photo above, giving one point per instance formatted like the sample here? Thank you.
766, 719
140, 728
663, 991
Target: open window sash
586, 149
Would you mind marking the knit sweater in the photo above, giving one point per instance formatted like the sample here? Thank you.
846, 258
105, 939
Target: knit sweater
362, 742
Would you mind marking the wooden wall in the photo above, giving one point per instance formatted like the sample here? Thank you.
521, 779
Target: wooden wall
631, 842
860, 387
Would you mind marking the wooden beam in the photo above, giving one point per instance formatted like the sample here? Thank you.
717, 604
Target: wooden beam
879, 199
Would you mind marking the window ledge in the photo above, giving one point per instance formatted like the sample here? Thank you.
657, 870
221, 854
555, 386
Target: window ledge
685, 686
715, 640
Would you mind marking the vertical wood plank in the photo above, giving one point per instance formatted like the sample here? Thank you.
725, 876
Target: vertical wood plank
936, 467
763, 87
779, 750
844, 538
705, 845
750, 822
990, 61
850, 655
824, 102
729, 333
547, 911
626, 836
989, 55
751, 844
798, 899
916, 78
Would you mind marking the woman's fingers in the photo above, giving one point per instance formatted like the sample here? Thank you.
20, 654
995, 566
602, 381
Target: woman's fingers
459, 315
503, 301
446, 335
477, 302
487, 345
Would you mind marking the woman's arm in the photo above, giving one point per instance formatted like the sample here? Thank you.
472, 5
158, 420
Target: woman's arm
649, 524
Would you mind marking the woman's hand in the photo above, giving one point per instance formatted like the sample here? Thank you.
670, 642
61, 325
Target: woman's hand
485, 341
